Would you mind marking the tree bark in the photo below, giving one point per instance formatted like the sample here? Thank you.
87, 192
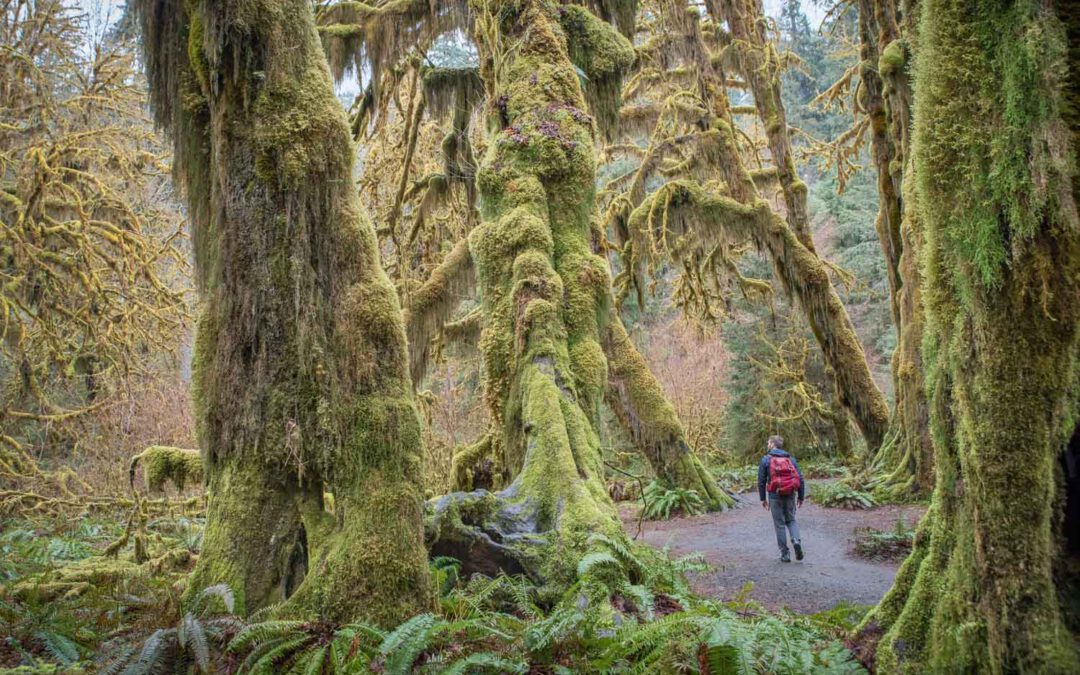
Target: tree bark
903, 466
996, 184
301, 373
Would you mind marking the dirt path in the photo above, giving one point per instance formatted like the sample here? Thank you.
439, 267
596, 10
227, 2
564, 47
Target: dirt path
741, 547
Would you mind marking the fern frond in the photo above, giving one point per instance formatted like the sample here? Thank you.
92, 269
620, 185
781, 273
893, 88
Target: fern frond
543, 634
220, 591
282, 651
59, 647
115, 664
485, 662
596, 562
158, 654
192, 636
257, 633
310, 662
401, 647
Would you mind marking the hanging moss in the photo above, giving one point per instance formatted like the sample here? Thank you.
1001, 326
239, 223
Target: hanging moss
428, 308
995, 176
686, 216
301, 367
603, 55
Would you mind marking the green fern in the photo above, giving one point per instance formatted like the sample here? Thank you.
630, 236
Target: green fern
661, 502
484, 662
401, 646
190, 644
841, 495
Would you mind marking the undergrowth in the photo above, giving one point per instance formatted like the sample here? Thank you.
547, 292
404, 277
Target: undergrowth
738, 479
841, 495
893, 544
631, 610
662, 502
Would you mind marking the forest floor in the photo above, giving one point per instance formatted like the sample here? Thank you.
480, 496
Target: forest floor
740, 547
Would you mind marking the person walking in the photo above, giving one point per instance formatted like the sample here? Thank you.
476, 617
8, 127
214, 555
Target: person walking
779, 475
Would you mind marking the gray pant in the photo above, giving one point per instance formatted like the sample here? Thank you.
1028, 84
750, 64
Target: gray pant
783, 516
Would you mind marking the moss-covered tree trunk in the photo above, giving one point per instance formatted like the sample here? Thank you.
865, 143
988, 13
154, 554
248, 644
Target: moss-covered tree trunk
545, 294
800, 269
903, 466
645, 412
301, 375
996, 177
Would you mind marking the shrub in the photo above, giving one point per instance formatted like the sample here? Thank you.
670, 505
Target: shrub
740, 479
894, 544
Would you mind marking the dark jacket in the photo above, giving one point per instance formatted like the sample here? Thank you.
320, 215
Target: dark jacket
763, 473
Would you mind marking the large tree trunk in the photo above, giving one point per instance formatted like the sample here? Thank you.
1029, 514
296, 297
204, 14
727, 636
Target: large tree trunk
996, 181
544, 292
301, 366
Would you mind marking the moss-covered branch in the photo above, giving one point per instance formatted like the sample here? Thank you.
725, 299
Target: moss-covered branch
684, 216
639, 403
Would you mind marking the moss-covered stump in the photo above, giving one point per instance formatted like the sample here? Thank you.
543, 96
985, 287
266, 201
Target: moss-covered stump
161, 464
997, 187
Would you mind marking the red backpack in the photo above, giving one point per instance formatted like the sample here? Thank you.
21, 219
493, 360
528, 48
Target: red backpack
783, 478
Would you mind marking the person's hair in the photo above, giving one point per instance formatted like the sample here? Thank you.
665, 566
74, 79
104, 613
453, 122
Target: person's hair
776, 441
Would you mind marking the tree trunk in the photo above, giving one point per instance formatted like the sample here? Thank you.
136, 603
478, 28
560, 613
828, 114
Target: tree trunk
902, 467
544, 292
301, 366
994, 164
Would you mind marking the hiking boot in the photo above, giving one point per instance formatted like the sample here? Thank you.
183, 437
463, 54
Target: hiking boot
785, 557
798, 551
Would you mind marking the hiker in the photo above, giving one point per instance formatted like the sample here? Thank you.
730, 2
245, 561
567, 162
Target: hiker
780, 476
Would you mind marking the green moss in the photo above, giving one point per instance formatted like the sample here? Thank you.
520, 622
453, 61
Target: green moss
690, 216
1001, 343
603, 55
544, 293
892, 58
301, 366
162, 463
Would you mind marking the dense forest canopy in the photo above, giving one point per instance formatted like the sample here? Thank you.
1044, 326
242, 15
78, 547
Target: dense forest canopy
366, 336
